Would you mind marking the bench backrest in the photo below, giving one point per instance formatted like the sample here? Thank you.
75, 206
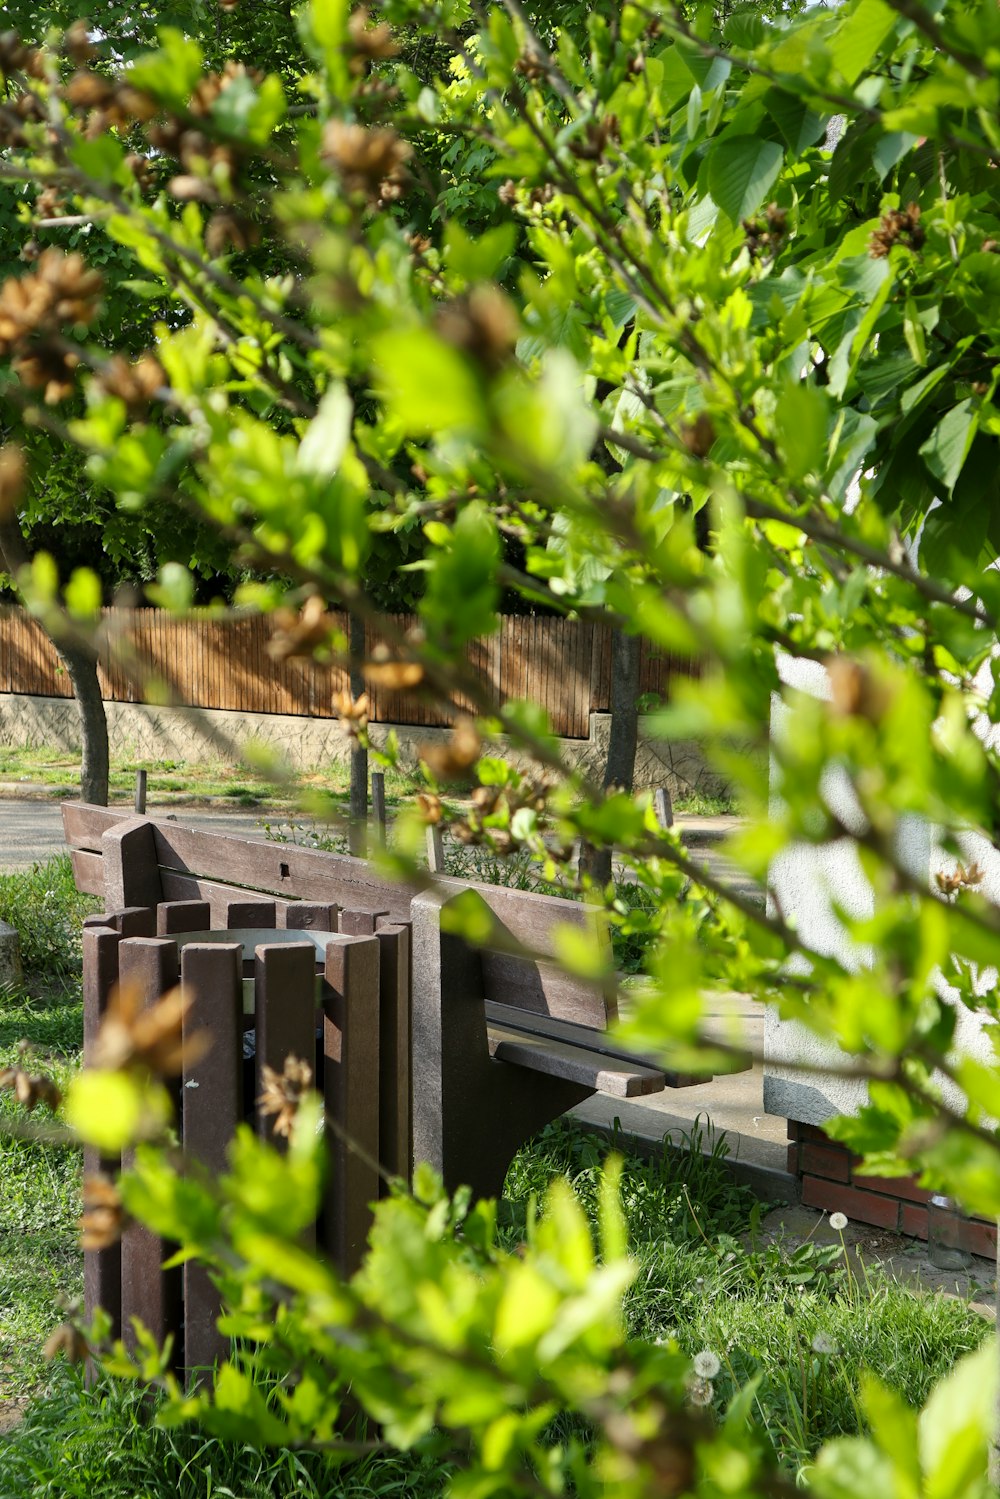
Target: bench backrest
129, 860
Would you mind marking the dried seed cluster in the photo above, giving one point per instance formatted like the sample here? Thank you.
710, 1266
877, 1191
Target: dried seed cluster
283, 1093
36, 309
30, 1089
896, 225
371, 162
149, 1038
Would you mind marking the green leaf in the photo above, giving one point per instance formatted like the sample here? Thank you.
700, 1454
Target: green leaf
801, 419
428, 385
890, 151
947, 448
859, 36
741, 172
955, 1426
480, 258
325, 441
83, 593
801, 126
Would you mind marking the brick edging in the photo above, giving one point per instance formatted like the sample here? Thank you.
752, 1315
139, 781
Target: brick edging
830, 1180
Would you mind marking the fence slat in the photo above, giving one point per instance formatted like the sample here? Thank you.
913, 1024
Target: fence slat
351, 1093
102, 1268
149, 1293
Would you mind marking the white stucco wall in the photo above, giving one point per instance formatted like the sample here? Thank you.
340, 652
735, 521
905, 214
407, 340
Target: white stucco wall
806, 883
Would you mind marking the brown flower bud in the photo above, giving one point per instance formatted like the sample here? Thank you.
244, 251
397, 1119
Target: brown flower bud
77, 44
104, 1218
300, 634
365, 159
67, 1340
452, 760
429, 807
369, 41
698, 436
149, 1038
136, 384
13, 475
482, 324
283, 1092
228, 229
386, 671
854, 691
89, 90
352, 711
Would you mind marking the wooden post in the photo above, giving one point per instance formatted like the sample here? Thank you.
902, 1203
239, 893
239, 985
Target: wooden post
663, 807
102, 1268
435, 849
149, 1293
357, 830
351, 1093
378, 805
140, 791
211, 1109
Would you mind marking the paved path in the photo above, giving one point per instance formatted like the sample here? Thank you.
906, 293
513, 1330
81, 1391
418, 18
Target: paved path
32, 830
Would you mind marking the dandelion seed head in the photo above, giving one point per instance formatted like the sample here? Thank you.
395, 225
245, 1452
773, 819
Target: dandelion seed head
701, 1391
838, 1221
706, 1364
823, 1343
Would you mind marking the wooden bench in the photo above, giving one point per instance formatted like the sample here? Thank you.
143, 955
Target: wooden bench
478, 1047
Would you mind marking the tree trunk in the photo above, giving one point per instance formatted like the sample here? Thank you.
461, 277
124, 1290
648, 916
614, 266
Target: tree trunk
80, 660
357, 830
81, 666
619, 769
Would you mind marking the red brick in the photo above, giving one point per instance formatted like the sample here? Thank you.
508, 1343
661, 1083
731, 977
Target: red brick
979, 1237
913, 1220
793, 1157
863, 1207
892, 1186
831, 1161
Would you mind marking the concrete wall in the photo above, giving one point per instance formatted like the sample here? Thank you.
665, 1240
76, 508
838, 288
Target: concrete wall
140, 732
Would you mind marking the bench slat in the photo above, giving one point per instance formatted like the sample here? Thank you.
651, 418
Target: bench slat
575, 1064
578, 1035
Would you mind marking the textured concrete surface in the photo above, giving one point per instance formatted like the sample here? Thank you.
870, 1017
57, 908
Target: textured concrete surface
194, 734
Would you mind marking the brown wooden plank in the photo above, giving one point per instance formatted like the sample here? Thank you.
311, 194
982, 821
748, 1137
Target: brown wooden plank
360, 923
303, 915
88, 871
250, 913
285, 1013
149, 1293
131, 876
589, 1069
351, 1093
212, 1107
135, 921
507, 1018
102, 1268
394, 1049
182, 916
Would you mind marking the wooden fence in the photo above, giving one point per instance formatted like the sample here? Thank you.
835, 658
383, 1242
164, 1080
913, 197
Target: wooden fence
148, 656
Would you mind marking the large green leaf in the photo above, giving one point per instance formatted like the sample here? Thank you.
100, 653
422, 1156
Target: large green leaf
859, 36
741, 172
947, 448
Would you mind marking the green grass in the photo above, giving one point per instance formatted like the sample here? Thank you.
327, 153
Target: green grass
703, 1279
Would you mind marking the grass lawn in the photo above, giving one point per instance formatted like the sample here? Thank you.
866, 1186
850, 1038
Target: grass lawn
795, 1320
179, 781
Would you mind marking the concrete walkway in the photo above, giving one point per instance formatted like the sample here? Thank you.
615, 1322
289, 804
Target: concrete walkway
32, 830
